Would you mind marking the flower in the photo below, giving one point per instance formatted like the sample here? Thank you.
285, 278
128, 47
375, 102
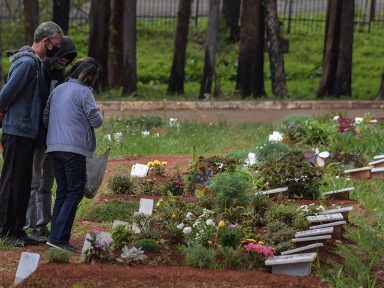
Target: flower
173, 216
164, 163
180, 226
187, 230
221, 224
209, 222
189, 216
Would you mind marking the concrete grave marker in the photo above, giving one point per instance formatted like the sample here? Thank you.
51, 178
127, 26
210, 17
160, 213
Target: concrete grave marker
314, 232
314, 238
139, 170
339, 194
102, 236
325, 218
27, 265
294, 264
360, 173
272, 191
378, 157
251, 160
343, 210
377, 173
337, 226
146, 208
307, 248
378, 163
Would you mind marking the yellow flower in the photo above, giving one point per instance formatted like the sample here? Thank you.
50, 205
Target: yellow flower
156, 162
221, 224
261, 242
173, 216
164, 163
150, 164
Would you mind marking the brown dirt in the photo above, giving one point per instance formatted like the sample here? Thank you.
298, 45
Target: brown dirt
118, 275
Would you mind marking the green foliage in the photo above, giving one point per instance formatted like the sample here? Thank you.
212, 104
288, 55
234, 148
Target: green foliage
199, 256
232, 256
122, 184
147, 245
286, 214
271, 151
278, 232
232, 189
121, 236
144, 222
260, 204
234, 214
57, 255
111, 210
230, 237
222, 164
283, 246
294, 172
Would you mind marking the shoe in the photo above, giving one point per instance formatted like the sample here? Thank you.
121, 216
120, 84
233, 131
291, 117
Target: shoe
39, 235
12, 241
63, 247
30, 240
41, 231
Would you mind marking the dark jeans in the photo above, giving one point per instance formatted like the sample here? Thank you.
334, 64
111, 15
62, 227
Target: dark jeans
15, 182
70, 173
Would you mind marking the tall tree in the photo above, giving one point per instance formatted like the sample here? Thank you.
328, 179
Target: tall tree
250, 74
337, 58
61, 14
176, 79
231, 13
129, 48
279, 87
116, 44
210, 52
380, 94
99, 36
31, 19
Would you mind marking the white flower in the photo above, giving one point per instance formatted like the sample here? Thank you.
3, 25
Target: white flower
118, 136
145, 133
187, 230
180, 226
373, 121
358, 120
189, 216
321, 208
210, 222
336, 117
108, 137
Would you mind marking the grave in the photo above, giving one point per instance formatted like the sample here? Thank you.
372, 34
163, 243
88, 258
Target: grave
337, 232
314, 232
102, 236
146, 208
27, 265
294, 264
377, 173
303, 241
308, 248
325, 218
139, 170
343, 210
272, 192
359, 173
251, 160
342, 194
377, 164
378, 157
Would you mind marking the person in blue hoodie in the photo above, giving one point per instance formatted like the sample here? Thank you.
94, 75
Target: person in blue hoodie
40, 204
20, 104
71, 116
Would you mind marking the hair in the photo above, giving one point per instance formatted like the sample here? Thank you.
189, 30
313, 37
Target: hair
47, 29
86, 70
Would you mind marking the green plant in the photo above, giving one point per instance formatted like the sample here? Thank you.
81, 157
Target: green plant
234, 214
122, 184
222, 164
278, 232
174, 185
260, 204
232, 189
147, 185
256, 254
121, 236
199, 256
111, 210
99, 251
232, 256
58, 255
271, 151
132, 255
147, 245
144, 223
288, 214
230, 236
283, 246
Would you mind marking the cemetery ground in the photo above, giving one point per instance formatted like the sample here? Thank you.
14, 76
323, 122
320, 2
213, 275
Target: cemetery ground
352, 259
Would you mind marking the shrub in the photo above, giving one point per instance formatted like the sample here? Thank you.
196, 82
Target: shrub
58, 255
147, 245
121, 184
174, 185
232, 256
199, 256
232, 189
260, 204
133, 255
230, 236
292, 127
121, 236
277, 232
222, 164
144, 223
271, 151
234, 214
112, 210
287, 214
283, 246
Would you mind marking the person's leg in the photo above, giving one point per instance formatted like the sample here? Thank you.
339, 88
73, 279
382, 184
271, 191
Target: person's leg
75, 172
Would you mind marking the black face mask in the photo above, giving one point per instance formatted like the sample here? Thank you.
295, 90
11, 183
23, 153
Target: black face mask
51, 52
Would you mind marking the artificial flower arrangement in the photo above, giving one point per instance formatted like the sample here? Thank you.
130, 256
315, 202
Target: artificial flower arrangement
157, 167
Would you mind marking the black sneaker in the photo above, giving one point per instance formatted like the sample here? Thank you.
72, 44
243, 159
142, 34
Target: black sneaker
30, 240
39, 236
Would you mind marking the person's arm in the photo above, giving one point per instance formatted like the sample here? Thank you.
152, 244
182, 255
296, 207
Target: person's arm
22, 73
46, 112
92, 111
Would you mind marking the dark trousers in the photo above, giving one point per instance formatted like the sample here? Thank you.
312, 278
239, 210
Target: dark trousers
70, 173
15, 182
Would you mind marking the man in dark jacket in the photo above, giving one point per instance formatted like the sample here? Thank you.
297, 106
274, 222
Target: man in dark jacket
20, 113
40, 204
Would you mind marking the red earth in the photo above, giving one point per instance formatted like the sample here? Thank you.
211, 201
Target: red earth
168, 271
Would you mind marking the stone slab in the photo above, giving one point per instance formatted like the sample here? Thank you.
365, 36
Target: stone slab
294, 264
337, 210
378, 157
368, 168
377, 162
314, 238
146, 206
27, 265
291, 259
332, 192
272, 191
325, 218
331, 224
314, 232
303, 249
139, 170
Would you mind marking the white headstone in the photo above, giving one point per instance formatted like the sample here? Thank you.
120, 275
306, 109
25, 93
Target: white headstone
325, 218
118, 223
373, 163
139, 170
377, 170
314, 238
339, 191
251, 160
27, 265
358, 170
295, 264
337, 210
378, 157
331, 224
102, 236
272, 191
302, 249
314, 232
146, 206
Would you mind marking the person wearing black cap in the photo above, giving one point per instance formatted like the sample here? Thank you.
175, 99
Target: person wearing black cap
40, 204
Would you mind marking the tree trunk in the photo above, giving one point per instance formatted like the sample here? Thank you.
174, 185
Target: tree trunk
116, 45
337, 61
231, 13
210, 52
380, 94
129, 48
61, 14
31, 19
276, 60
98, 37
176, 79
250, 74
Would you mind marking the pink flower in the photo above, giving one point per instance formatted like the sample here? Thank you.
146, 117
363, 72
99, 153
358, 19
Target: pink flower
268, 251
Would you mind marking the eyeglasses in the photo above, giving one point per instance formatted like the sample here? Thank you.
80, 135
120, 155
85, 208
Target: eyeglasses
54, 46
